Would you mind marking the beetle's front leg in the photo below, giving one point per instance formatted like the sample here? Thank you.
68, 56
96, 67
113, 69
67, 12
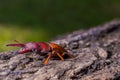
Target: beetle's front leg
48, 57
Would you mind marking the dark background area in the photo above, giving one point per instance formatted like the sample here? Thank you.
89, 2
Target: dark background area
43, 20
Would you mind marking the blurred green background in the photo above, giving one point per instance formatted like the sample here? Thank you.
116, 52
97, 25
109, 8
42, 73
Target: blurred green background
43, 20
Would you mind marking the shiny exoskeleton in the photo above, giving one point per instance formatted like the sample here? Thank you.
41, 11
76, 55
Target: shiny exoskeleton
49, 49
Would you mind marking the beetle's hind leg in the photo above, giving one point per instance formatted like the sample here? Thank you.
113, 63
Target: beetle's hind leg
69, 54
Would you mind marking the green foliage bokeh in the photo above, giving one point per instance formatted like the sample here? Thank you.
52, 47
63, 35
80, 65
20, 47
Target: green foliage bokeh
42, 20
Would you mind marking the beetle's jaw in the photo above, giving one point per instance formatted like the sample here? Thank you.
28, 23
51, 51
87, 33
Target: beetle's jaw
19, 45
22, 51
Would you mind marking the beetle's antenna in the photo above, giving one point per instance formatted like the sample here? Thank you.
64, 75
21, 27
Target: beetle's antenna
17, 41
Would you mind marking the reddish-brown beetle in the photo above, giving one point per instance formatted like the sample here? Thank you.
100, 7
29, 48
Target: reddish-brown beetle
44, 48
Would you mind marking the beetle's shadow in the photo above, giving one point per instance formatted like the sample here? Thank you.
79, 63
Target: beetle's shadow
57, 58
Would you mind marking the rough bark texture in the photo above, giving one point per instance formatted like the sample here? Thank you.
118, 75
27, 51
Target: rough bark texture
98, 58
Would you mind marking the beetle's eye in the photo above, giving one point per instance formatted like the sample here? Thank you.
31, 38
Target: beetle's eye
34, 50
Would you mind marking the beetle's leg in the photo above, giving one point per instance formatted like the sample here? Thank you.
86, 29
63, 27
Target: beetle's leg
60, 57
47, 59
53, 52
71, 55
49, 56
63, 54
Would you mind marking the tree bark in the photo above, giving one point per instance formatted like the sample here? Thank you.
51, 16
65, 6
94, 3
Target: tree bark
98, 58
